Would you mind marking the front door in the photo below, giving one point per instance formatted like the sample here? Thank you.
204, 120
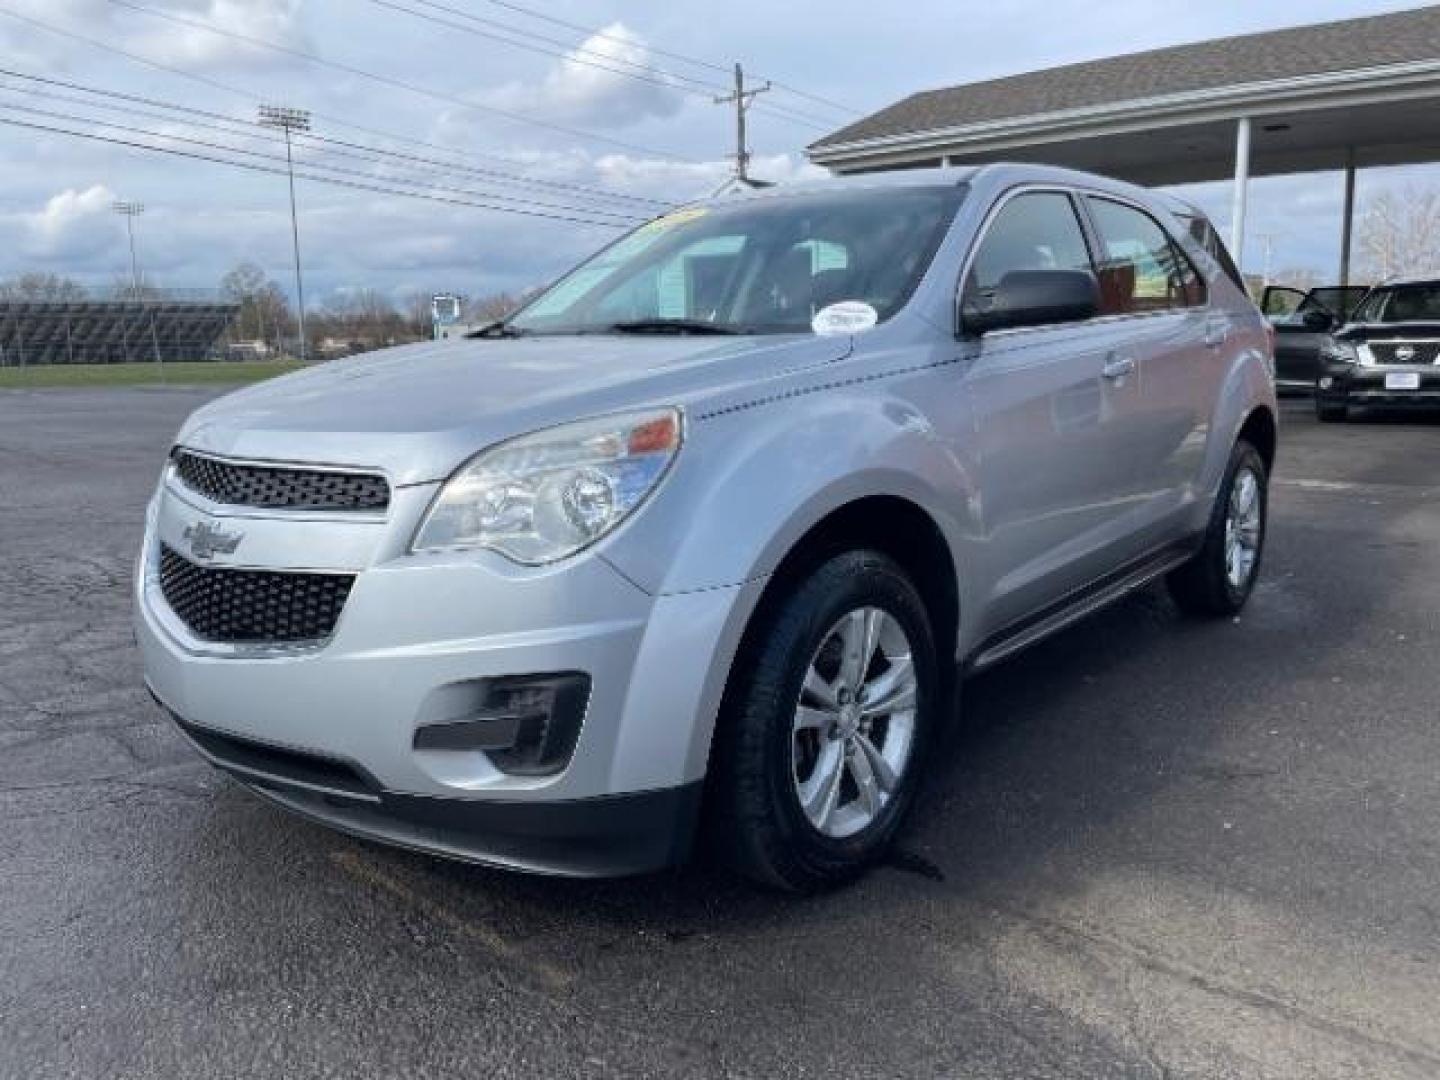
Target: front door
1049, 404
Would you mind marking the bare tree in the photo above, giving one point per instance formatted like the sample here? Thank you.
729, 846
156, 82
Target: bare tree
1400, 234
1303, 278
123, 287
416, 308
265, 314
487, 309
37, 285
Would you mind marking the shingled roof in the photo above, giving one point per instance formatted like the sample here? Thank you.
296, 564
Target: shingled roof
1325, 48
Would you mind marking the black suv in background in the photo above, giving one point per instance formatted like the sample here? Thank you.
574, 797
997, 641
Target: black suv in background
1387, 355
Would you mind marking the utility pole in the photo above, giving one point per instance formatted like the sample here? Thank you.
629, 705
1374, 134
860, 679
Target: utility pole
1269, 240
291, 120
130, 211
742, 99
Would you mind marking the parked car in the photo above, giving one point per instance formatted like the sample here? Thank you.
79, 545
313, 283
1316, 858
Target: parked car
1387, 355
1303, 321
695, 541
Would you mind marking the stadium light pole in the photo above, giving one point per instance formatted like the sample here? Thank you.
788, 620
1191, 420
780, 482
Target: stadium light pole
289, 121
130, 211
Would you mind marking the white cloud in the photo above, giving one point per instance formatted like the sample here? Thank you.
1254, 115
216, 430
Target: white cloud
577, 91
680, 180
73, 225
275, 21
191, 47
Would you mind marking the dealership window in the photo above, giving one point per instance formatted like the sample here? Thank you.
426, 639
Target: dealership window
1141, 268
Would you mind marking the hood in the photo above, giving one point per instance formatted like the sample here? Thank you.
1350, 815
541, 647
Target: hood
418, 411
1404, 331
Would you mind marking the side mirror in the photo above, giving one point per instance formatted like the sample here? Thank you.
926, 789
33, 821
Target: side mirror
1317, 319
1032, 298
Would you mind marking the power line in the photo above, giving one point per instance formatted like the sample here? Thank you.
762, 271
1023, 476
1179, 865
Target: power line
712, 65
332, 120
617, 219
564, 49
435, 196
393, 83
353, 151
579, 54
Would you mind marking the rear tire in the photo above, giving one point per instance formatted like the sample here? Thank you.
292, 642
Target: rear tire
1221, 576
819, 748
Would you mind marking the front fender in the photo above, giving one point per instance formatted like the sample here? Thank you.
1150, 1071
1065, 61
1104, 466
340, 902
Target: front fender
749, 484
752, 481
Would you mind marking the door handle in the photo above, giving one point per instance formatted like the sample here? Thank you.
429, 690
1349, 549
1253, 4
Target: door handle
1117, 367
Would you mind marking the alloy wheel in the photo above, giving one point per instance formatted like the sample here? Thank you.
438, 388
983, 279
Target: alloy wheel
854, 724
1243, 526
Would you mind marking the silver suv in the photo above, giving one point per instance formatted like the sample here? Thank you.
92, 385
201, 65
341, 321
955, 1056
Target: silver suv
695, 543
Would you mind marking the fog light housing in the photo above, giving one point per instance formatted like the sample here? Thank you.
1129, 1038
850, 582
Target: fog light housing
527, 725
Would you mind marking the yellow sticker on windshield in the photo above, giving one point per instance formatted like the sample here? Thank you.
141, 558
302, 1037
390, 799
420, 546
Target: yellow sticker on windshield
679, 217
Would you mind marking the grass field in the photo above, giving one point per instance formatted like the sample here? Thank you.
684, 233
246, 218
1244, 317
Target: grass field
148, 374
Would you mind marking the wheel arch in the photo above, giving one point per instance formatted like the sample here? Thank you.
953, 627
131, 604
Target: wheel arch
1261, 431
891, 524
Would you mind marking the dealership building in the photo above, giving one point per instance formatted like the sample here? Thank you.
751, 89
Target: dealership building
1332, 96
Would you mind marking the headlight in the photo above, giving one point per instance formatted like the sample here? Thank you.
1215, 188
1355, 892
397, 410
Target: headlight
1339, 352
544, 496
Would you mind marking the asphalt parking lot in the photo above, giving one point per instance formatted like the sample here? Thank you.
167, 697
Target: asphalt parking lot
1152, 848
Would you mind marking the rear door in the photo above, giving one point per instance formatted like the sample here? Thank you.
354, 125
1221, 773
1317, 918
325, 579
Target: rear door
1046, 418
1297, 345
1154, 307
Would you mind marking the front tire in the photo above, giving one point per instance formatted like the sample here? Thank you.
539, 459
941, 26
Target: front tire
1221, 576
821, 740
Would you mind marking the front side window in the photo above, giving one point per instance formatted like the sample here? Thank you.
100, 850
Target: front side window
756, 266
1033, 231
1141, 268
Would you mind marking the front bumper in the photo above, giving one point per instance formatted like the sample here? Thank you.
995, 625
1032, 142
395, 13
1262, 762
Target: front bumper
1364, 385
418, 637
604, 836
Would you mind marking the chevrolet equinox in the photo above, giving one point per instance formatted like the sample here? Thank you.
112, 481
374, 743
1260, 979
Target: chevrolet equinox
696, 543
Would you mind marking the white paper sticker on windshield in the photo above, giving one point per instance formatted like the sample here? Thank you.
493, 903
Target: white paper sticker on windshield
846, 317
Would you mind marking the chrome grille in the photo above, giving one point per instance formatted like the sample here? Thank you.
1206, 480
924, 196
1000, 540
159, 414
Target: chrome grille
1405, 353
277, 487
227, 605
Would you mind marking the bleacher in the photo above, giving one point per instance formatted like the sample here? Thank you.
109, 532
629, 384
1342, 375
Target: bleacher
166, 326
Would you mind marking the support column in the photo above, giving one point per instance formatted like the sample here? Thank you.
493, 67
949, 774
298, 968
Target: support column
1347, 226
1242, 190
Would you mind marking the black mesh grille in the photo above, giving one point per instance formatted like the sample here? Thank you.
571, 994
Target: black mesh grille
1406, 352
279, 488
221, 604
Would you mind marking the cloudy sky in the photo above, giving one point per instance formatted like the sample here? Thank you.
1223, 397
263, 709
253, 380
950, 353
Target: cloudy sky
521, 126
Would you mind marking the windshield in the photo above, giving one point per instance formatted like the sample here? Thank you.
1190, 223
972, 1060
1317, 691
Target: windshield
761, 266
1401, 303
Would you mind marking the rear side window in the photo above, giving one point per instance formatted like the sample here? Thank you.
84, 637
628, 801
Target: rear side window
1141, 268
1034, 231
1204, 232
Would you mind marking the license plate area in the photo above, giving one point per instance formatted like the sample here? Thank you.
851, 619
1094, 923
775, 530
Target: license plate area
1402, 380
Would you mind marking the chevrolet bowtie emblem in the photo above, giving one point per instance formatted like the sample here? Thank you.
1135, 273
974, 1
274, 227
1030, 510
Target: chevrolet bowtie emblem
207, 541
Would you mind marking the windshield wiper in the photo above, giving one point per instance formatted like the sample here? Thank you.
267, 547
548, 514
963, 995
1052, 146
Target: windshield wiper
672, 326
499, 328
